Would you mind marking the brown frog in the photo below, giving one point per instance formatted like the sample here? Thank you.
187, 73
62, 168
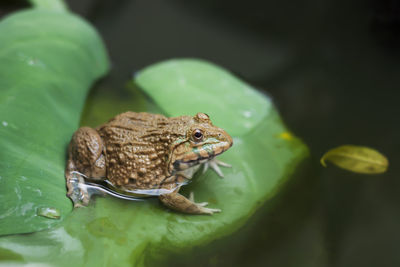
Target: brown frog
148, 154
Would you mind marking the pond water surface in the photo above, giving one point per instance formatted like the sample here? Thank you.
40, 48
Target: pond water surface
332, 68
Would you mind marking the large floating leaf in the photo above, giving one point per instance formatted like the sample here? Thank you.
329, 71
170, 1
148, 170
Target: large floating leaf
48, 60
123, 233
198, 86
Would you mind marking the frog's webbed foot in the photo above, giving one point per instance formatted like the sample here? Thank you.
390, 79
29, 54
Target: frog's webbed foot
214, 164
77, 190
202, 204
180, 203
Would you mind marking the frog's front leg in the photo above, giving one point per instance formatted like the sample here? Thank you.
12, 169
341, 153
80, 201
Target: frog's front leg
214, 164
180, 203
85, 160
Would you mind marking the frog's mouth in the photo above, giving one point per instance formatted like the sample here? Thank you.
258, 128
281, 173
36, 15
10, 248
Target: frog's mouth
201, 154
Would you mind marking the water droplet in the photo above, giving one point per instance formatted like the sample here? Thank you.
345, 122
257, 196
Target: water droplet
5, 124
24, 209
49, 212
38, 191
182, 81
247, 113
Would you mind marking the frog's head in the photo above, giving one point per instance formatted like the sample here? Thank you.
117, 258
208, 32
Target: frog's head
203, 141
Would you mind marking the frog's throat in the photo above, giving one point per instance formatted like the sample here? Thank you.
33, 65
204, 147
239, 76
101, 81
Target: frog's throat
172, 157
195, 155
199, 155
180, 165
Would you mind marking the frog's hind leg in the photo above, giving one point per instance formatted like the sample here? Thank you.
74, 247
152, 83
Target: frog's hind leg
180, 203
76, 189
85, 160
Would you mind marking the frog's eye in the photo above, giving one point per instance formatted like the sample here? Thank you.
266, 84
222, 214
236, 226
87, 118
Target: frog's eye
197, 135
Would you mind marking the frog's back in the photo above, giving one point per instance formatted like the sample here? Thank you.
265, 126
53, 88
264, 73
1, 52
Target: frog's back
137, 146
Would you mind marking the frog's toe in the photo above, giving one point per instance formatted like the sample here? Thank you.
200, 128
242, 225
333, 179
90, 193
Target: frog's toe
200, 204
79, 197
191, 198
214, 164
77, 192
209, 210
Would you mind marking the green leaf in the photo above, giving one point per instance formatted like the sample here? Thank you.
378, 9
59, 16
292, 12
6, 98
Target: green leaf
54, 5
199, 86
126, 233
358, 159
48, 60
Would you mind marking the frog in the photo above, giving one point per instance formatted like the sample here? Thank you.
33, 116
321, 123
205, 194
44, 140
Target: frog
148, 153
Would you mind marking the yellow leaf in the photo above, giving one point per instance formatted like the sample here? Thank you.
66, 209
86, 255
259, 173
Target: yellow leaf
359, 159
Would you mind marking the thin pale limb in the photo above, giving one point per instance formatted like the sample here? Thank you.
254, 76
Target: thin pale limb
85, 159
180, 203
214, 164
77, 191
191, 198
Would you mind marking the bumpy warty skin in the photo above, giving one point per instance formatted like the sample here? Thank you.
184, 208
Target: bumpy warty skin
145, 152
137, 147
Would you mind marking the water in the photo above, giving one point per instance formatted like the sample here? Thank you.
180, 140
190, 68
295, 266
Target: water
332, 68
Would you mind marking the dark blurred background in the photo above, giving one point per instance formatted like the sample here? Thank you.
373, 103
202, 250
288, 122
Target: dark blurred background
333, 70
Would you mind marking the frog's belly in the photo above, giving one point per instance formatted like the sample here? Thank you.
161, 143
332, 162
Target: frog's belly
167, 188
140, 193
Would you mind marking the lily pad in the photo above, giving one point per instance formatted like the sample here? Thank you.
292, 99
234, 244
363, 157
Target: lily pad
123, 233
187, 85
48, 61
